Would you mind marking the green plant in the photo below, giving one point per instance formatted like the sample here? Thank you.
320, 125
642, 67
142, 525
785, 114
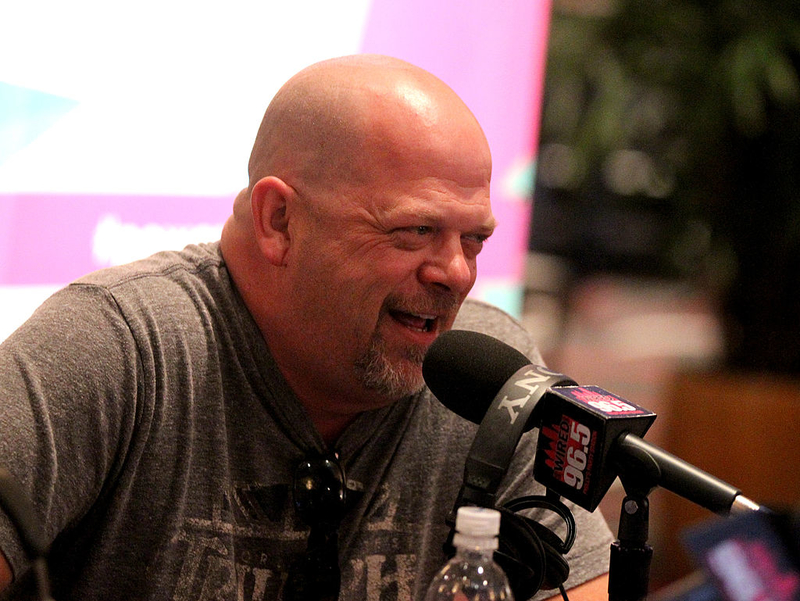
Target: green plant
684, 117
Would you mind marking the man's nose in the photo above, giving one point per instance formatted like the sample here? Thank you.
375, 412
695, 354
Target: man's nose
448, 266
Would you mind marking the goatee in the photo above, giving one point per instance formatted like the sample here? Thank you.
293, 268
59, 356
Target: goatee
392, 379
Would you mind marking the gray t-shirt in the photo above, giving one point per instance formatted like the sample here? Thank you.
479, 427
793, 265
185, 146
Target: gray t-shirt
142, 412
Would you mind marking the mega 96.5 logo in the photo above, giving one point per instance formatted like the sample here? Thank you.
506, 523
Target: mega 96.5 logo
571, 444
603, 401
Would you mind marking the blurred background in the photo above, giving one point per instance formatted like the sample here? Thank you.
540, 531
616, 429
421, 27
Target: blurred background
645, 181
664, 256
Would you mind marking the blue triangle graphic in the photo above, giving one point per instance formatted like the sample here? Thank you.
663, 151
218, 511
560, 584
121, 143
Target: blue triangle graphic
25, 114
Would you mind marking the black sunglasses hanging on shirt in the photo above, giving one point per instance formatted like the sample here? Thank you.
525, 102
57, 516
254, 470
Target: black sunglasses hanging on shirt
319, 491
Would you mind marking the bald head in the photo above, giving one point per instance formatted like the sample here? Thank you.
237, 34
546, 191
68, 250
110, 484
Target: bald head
336, 121
356, 240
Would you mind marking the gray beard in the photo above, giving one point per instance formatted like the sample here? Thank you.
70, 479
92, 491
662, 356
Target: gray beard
393, 380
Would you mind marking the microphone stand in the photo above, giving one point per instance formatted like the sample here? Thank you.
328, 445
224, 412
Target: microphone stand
641, 468
629, 567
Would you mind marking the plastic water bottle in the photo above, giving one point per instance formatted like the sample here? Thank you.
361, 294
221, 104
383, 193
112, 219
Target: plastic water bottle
472, 574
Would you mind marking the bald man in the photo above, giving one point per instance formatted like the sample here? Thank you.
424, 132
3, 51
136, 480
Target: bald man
247, 419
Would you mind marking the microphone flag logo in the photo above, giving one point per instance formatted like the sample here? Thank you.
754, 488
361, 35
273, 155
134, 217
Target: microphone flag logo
578, 427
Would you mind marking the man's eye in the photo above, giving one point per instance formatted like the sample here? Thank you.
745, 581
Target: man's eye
476, 242
413, 236
479, 238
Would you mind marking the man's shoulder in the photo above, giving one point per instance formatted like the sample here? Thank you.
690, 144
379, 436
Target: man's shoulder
480, 316
170, 264
169, 287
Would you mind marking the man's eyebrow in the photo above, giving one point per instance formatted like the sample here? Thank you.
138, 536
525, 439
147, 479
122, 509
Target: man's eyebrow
486, 229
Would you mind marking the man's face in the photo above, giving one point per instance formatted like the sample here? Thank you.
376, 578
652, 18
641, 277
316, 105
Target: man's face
379, 270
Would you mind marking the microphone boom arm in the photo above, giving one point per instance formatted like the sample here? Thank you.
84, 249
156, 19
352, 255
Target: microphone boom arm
643, 466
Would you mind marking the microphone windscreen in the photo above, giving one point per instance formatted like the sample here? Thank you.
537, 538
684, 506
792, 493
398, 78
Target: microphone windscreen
465, 370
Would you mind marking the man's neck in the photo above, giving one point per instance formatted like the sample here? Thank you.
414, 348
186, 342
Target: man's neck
330, 427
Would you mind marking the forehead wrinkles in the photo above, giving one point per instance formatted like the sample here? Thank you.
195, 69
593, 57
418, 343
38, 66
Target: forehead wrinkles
428, 201
425, 137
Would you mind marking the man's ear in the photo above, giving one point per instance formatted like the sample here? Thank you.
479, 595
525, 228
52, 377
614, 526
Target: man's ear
268, 202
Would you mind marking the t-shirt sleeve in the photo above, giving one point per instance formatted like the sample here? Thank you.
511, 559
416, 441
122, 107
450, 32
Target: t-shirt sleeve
69, 378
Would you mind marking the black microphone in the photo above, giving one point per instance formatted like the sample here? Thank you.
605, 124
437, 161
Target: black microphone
475, 379
588, 436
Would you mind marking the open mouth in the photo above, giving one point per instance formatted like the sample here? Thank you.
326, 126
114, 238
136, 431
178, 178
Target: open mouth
415, 321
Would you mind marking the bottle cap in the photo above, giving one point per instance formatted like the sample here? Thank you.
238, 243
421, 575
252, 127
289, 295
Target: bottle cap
478, 521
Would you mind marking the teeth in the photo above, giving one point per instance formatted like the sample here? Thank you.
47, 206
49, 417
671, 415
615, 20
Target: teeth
421, 322
428, 321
